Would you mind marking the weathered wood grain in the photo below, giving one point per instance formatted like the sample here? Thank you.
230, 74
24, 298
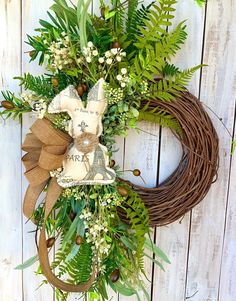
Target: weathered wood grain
227, 289
32, 12
10, 148
218, 92
174, 238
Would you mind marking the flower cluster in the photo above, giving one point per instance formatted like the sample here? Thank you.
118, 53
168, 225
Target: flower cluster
112, 56
112, 199
113, 95
122, 77
96, 230
90, 52
60, 53
74, 192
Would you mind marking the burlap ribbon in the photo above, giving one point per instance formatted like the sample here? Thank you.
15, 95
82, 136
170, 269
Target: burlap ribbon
46, 148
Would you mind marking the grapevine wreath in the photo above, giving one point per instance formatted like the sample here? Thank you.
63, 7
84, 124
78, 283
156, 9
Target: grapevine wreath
104, 74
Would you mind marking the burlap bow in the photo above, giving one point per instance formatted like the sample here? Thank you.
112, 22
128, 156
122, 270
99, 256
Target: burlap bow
46, 148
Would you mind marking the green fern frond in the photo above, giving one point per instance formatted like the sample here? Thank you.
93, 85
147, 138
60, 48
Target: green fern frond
162, 118
158, 19
170, 70
81, 266
139, 219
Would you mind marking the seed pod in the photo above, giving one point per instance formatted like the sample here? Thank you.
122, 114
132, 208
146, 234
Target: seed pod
72, 215
32, 53
80, 90
112, 163
54, 81
79, 240
122, 191
50, 242
102, 12
115, 275
85, 87
136, 172
7, 105
115, 45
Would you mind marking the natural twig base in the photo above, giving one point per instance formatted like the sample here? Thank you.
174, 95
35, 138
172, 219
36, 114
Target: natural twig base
192, 179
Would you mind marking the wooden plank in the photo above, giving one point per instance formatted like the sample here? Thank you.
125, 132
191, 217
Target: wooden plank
141, 152
10, 170
227, 290
173, 239
218, 92
32, 12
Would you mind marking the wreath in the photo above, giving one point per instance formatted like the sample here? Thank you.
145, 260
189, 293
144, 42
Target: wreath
104, 74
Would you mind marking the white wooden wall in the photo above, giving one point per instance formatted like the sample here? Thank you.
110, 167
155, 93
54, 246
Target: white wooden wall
202, 246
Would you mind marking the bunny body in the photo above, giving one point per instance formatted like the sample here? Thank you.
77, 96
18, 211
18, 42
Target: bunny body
87, 162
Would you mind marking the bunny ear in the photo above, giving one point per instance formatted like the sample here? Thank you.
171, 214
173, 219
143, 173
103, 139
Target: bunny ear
66, 101
97, 101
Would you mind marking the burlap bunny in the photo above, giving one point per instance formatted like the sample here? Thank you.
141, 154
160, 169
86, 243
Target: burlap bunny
87, 162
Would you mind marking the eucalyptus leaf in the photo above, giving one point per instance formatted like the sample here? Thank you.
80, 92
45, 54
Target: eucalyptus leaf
27, 263
157, 251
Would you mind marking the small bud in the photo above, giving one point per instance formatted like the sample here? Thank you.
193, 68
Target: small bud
102, 12
85, 87
72, 215
115, 275
122, 191
7, 105
32, 53
112, 163
79, 240
50, 242
136, 172
115, 45
80, 90
54, 81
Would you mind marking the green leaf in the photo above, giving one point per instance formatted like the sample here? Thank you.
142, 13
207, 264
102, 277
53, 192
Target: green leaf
127, 243
27, 263
157, 251
124, 290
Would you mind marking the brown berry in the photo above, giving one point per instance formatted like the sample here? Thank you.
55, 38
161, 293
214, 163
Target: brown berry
54, 81
72, 215
136, 172
115, 45
112, 163
50, 242
7, 105
32, 53
79, 240
102, 12
80, 90
122, 191
85, 87
115, 275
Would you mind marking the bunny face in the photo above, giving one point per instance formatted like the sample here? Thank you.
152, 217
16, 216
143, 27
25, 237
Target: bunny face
87, 162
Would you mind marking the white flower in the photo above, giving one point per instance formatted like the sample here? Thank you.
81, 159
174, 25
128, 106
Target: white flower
123, 85
109, 61
114, 51
118, 58
119, 77
107, 54
95, 53
90, 44
123, 70
123, 53
88, 59
101, 60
